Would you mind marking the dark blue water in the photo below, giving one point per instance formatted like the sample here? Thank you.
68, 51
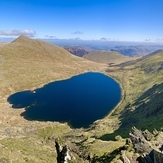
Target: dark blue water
79, 100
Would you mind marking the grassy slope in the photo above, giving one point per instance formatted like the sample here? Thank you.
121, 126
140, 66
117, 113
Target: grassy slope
141, 82
110, 57
144, 109
29, 63
141, 104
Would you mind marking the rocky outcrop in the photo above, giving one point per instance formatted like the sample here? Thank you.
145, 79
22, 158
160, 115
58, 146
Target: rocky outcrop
64, 154
140, 144
140, 141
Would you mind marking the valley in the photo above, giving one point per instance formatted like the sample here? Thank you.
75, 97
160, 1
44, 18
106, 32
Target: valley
27, 64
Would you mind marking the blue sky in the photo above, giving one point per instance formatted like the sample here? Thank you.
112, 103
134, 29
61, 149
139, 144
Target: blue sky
120, 20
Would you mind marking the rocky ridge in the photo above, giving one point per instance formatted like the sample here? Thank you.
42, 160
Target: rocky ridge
147, 147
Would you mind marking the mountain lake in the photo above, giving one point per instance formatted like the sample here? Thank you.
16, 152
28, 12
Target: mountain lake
79, 101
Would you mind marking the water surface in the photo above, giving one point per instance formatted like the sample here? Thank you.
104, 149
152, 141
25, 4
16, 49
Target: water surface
80, 100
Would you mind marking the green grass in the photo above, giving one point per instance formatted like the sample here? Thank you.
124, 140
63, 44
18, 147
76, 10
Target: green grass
109, 57
52, 132
27, 150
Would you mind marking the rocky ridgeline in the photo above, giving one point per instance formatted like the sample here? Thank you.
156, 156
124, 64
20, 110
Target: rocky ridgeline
141, 147
148, 146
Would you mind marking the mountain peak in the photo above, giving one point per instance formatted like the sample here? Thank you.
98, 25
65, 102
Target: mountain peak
22, 38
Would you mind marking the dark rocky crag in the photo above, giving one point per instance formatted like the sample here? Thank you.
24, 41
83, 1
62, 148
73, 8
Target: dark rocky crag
148, 146
64, 154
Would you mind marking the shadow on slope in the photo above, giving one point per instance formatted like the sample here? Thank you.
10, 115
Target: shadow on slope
145, 113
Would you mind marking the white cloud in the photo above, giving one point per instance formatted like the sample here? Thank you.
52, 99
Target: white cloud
17, 32
160, 39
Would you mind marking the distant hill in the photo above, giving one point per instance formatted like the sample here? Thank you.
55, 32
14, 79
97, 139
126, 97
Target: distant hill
137, 50
103, 56
78, 50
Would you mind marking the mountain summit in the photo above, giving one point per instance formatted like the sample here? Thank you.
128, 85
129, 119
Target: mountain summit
22, 38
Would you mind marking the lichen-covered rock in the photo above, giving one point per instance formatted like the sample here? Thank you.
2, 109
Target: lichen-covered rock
148, 136
140, 144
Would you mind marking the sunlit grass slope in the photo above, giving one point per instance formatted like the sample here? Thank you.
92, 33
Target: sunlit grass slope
27, 63
109, 57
